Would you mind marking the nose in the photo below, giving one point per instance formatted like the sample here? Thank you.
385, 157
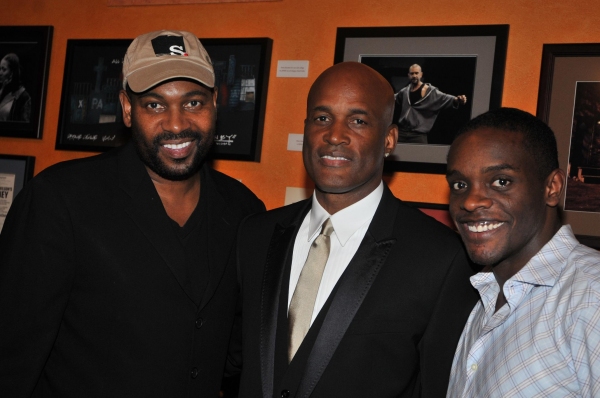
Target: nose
476, 199
337, 134
175, 121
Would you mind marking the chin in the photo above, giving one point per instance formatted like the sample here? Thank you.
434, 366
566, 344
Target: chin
483, 256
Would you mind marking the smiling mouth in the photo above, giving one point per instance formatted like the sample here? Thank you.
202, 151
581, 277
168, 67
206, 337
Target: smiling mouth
178, 146
483, 226
334, 157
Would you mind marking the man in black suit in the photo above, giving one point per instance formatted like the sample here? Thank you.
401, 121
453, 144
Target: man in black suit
117, 277
394, 294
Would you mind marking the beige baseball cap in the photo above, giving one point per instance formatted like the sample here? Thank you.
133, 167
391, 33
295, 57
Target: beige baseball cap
155, 57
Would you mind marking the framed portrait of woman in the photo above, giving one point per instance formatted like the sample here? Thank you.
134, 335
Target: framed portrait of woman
24, 61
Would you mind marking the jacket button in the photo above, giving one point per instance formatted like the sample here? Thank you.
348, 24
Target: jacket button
285, 393
199, 323
194, 373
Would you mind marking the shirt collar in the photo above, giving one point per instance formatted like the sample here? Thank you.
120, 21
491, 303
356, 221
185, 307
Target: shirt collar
542, 269
545, 267
346, 221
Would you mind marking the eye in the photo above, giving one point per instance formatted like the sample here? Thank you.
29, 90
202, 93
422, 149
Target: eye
458, 185
154, 105
321, 119
359, 121
501, 182
194, 103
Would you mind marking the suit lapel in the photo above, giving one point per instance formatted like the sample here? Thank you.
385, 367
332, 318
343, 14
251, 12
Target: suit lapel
279, 257
352, 288
146, 210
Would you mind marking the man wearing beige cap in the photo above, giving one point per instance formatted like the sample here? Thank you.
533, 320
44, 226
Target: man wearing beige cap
116, 272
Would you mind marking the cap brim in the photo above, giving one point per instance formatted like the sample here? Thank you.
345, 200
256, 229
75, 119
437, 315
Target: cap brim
150, 76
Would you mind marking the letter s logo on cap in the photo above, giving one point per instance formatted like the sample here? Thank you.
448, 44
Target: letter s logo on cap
169, 45
177, 50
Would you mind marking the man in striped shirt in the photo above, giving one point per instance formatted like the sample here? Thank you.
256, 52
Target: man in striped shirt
536, 330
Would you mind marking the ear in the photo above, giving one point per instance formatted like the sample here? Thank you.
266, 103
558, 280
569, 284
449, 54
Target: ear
391, 138
126, 105
215, 95
555, 183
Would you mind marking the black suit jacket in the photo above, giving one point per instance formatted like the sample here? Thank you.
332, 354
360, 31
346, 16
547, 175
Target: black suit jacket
95, 298
389, 328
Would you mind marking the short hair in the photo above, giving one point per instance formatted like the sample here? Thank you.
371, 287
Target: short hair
538, 138
15, 68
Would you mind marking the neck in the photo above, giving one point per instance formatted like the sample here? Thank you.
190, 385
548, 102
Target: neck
179, 198
416, 85
334, 202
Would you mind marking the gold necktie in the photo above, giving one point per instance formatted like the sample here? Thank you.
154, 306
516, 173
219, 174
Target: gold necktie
303, 300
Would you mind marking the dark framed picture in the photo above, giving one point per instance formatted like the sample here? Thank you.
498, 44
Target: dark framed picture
242, 77
454, 61
24, 65
15, 171
90, 116
567, 101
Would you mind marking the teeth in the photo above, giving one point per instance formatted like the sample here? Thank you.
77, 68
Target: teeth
484, 226
177, 146
334, 157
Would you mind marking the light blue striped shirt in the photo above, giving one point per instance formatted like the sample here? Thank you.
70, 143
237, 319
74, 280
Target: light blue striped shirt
545, 342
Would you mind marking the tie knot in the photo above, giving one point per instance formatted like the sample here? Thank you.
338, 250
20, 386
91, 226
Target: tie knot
327, 229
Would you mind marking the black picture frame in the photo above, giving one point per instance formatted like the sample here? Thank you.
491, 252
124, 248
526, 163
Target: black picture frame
83, 126
564, 67
32, 47
240, 123
90, 117
486, 44
20, 170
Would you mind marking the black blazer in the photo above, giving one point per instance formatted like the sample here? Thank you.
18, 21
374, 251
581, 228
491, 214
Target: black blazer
95, 299
390, 327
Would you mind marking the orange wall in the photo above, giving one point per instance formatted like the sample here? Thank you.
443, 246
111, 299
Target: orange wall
304, 30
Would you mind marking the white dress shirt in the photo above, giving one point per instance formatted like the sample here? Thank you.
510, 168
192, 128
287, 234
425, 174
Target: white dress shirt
350, 226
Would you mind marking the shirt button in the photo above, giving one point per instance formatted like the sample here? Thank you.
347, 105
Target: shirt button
199, 323
285, 393
194, 373
474, 367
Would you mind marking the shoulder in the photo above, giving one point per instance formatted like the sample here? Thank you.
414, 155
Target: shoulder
420, 224
22, 95
585, 265
285, 216
430, 87
234, 191
576, 292
75, 173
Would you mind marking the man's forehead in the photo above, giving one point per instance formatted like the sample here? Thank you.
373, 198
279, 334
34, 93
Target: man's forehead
488, 148
182, 85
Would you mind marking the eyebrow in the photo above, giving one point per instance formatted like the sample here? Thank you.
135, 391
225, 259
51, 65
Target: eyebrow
498, 167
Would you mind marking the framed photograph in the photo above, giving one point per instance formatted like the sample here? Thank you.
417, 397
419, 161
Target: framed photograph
567, 101
454, 61
15, 171
24, 64
90, 116
242, 77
